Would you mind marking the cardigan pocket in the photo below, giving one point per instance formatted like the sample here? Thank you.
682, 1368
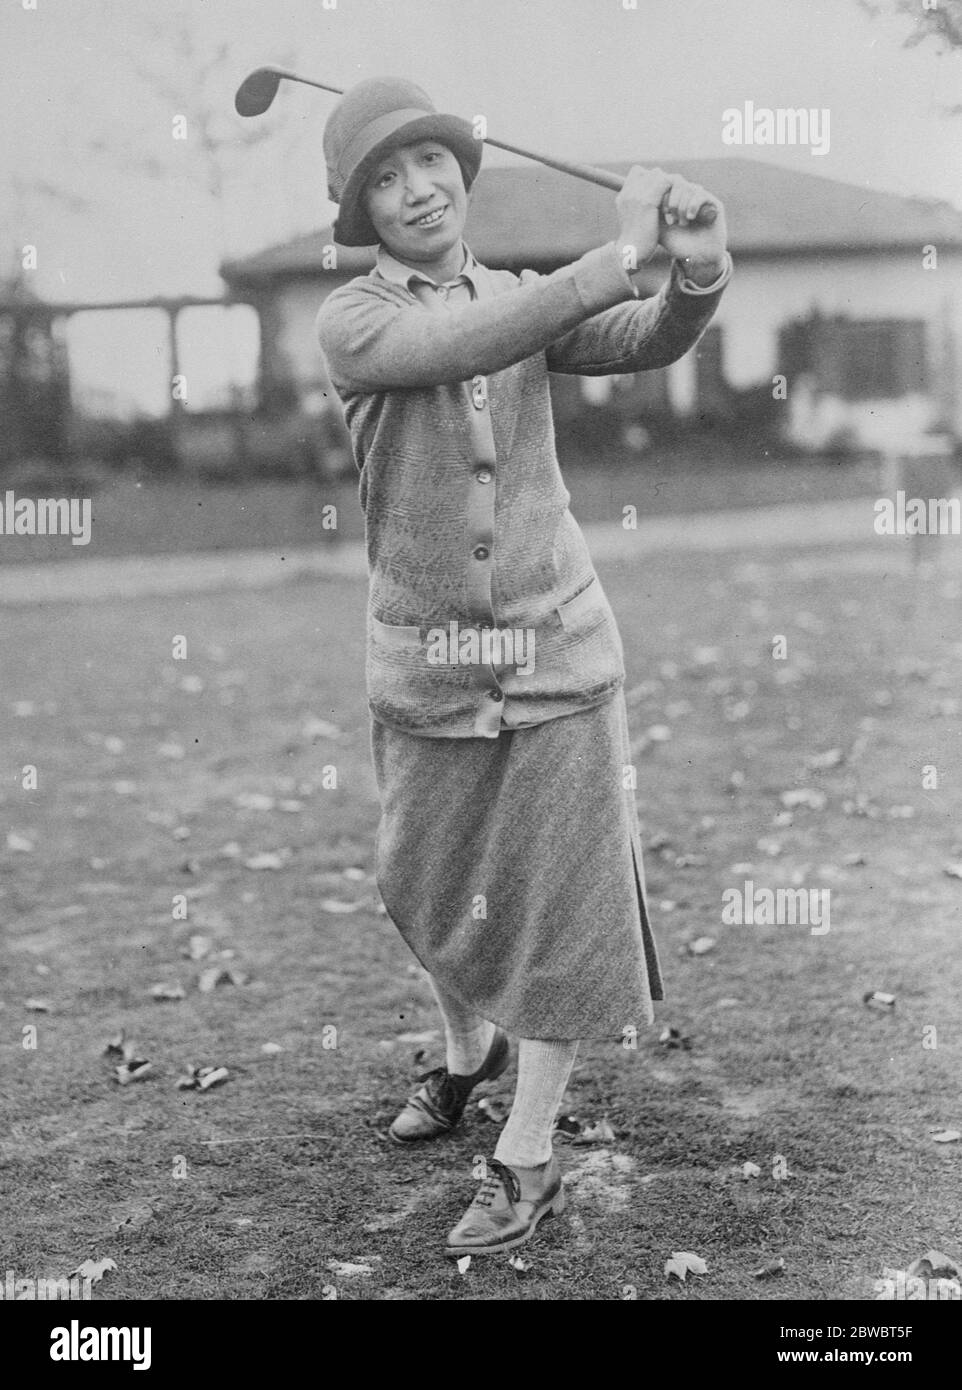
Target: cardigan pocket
584, 651
407, 686
574, 614
397, 638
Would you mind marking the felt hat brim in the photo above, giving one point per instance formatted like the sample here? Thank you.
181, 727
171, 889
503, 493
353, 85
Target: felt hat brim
353, 226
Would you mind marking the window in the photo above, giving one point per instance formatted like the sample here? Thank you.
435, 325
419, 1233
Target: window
857, 359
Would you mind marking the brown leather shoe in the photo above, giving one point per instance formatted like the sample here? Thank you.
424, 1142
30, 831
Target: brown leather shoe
438, 1106
507, 1208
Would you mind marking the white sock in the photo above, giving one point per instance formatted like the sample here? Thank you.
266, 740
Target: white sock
467, 1035
543, 1072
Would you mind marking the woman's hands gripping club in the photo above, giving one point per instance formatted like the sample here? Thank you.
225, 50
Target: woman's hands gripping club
656, 208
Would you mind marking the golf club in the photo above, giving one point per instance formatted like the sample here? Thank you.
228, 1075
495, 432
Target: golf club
256, 93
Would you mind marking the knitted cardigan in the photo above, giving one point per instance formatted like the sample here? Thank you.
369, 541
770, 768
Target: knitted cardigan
466, 512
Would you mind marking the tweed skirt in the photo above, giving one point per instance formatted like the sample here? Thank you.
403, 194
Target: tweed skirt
512, 868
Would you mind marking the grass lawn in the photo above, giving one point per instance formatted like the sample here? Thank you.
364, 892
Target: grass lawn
275, 1183
133, 515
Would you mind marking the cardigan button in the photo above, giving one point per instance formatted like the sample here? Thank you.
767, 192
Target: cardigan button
479, 392
495, 694
481, 552
484, 475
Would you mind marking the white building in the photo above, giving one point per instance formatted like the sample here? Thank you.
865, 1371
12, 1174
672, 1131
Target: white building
853, 295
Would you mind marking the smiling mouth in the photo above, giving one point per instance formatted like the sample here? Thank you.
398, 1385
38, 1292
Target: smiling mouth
430, 219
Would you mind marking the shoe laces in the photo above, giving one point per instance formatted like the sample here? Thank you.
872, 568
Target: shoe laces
442, 1088
498, 1176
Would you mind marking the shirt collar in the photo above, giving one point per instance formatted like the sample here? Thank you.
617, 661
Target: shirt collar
390, 268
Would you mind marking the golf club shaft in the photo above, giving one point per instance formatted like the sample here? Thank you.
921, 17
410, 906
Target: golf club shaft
603, 177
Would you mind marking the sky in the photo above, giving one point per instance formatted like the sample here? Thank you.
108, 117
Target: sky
91, 174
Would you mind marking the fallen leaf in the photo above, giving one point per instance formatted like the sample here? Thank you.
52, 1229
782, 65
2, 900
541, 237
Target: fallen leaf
202, 1078
94, 1270
878, 999
254, 801
706, 656
934, 1265
37, 1006
516, 1262
319, 728
269, 859
952, 870
774, 1267
598, 1133
947, 1136
811, 797
683, 1263
751, 1170
345, 1270
464, 1264
216, 975
133, 1070
822, 762
167, 991
691, 861
197, 948
494, 1109
737, 710
271, 1048
701, 945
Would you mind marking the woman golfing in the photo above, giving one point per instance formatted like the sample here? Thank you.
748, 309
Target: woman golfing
508, 853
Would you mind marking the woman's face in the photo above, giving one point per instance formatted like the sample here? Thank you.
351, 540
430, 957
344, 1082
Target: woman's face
417, 202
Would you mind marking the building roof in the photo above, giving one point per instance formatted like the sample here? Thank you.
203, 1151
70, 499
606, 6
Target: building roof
534, 216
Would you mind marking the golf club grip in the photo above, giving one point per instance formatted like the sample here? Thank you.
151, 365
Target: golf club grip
707, 213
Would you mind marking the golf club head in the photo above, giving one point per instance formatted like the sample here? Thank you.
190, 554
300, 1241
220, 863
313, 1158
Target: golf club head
256, 92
